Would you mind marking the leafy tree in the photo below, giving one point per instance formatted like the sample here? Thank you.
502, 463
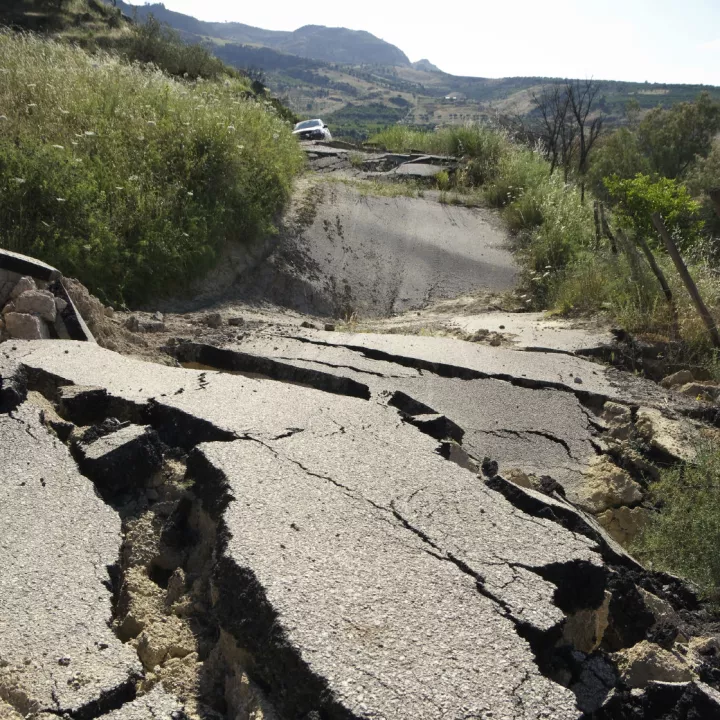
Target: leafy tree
619, 155
671, 139
638, 198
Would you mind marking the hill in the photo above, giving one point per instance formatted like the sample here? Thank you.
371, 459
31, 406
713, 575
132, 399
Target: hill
335, 45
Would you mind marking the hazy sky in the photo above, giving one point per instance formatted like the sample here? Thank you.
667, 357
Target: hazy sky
674, 41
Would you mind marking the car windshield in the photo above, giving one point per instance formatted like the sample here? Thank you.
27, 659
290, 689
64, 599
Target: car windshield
308, 124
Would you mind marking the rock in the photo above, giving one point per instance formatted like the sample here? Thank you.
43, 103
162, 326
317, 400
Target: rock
624, 523
308, 325
121, 460
236, 321
619, 420
677, 439
23, 285
152, 326
23, 326
10, 307
681, 377
132, 324
584, 629
578, 381
167, 637
37, 302
605, 486
700, 391
213, 320
109, 311
661, 609
329, 327
521, 479
158, 316
647, 662
60, 304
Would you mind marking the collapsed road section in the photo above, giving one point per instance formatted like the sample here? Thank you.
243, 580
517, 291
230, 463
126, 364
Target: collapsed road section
278, 550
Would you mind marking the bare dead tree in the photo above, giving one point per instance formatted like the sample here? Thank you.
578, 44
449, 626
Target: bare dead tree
581, 96
553, 105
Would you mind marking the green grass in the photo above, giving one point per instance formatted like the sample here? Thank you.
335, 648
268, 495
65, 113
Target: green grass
125, 178
684, 535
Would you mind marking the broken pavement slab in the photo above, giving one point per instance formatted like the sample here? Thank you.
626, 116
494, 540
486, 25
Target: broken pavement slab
57, 651
391, 628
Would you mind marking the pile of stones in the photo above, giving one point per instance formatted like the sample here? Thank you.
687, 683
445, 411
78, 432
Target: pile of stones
30, 311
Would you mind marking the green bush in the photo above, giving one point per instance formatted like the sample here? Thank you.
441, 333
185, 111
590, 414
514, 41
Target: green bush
683, 537
125, 178
638, 198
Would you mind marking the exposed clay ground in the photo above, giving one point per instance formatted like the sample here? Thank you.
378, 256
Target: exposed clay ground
298, 521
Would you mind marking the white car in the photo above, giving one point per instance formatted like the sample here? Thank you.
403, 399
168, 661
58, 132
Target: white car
312, 130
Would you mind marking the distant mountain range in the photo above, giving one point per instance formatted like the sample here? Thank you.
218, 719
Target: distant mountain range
335, 45
359, 83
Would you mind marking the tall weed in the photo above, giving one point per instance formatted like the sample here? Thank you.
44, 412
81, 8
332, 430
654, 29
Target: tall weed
128, 179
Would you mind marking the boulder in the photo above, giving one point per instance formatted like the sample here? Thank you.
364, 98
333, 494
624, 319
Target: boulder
23, 326
23, 285
681, 377
700, 391
677, 439
605, 486
37, 302
623, 523
236, 321
646, 662
585, 628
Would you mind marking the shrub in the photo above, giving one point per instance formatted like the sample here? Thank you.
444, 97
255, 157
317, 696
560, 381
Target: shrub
684, 535
125, 178
637, 199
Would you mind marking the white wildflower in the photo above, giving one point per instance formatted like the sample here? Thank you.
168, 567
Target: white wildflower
73, 142
231, 127
151, 122
19, 181
58, 147
90, 133
240, 147
190, 194
61, 199
185, 235
133, 178
117, 187
276, 136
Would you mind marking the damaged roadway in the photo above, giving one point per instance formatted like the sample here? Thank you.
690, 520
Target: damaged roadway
362, 574
524, 410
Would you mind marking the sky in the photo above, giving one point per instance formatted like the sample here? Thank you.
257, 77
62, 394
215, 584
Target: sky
672, 41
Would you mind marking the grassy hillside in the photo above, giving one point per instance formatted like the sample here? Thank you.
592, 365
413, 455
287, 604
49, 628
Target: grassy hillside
127, 178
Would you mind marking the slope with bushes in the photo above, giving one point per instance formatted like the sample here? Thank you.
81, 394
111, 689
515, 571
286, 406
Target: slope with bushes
126, 178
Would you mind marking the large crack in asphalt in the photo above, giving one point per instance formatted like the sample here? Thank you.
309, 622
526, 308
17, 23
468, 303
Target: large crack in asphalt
180, 429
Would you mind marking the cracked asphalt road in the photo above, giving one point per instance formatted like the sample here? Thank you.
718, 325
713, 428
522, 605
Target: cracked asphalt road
355, 252
382, 590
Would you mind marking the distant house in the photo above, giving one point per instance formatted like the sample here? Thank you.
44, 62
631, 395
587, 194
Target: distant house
454, 97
